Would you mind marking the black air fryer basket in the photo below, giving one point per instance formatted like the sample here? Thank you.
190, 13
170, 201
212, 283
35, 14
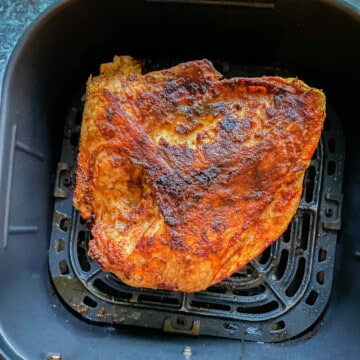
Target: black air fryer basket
298, 300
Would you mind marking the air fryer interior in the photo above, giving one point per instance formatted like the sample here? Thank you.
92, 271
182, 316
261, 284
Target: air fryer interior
276, 297
52, 62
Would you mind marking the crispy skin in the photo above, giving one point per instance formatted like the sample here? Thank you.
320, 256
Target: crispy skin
187, 176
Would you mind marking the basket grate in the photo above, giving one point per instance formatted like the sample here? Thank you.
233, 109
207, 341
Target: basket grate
277, 296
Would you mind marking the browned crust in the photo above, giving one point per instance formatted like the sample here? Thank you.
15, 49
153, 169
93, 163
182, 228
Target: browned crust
207, 171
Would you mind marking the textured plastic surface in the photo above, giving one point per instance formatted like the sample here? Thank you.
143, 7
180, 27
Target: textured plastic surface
50, 63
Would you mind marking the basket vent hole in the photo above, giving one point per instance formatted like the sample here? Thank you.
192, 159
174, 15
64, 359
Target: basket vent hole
64, 224
245, 272
311, 299
305, 231
59, 245
212, 306
110, 291
280, 269
153, 299
320, 277
331, 167
265, 256
309, 184
217, 289
287, 234
277, 326
262, 309
322, 255
82, 221
250, 291
297, 280
89, 302
63, 266
82, 252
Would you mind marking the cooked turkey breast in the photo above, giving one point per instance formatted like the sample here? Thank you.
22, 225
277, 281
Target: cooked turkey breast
188, 176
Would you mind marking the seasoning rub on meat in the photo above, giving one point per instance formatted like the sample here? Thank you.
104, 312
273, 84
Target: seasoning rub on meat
187, 176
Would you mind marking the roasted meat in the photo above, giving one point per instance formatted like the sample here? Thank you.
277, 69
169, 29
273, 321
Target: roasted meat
187, 176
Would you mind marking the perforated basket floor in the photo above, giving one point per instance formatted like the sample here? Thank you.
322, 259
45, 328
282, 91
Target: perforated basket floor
276, 297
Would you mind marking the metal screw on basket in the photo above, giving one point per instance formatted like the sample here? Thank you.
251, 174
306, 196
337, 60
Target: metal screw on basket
54, 357
187, 352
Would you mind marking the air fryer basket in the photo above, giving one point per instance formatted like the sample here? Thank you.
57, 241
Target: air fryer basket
276, 297
289, 302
